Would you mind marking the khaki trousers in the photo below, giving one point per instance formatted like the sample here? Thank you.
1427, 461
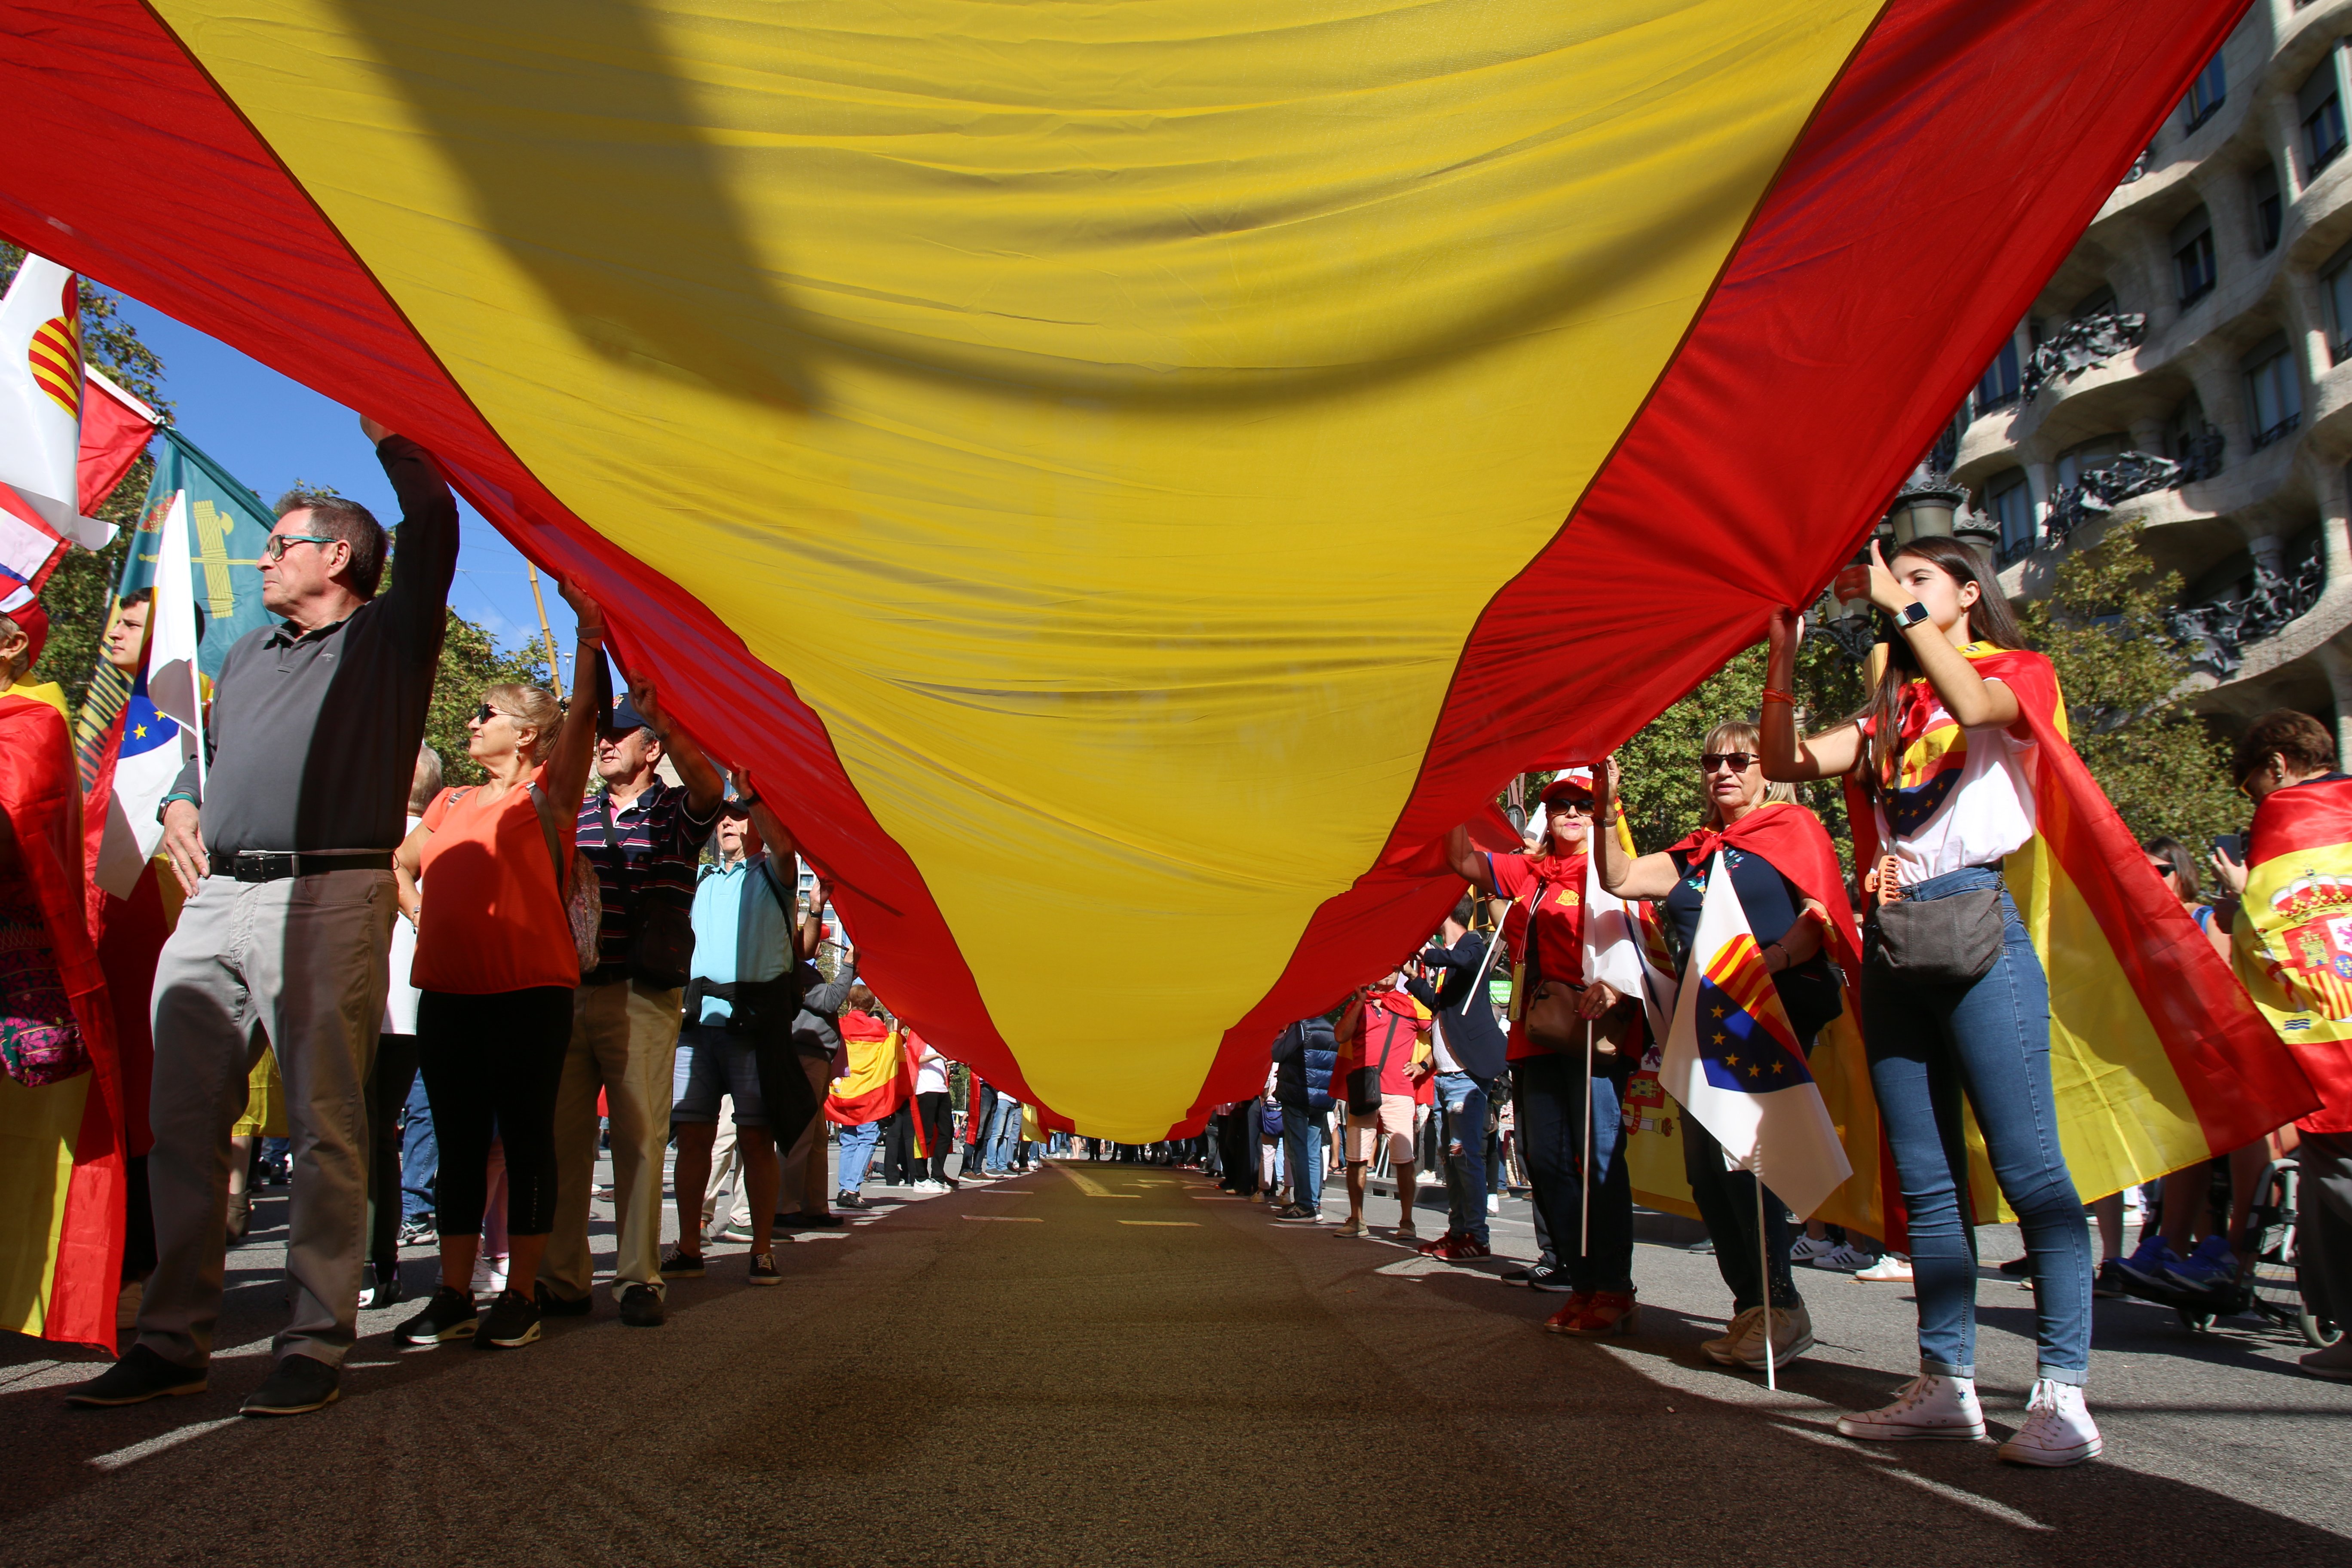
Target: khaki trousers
299, 964
727, 1177
625, 1043
803, 1189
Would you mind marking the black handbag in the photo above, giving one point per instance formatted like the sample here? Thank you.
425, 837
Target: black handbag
661, 934
1951, 941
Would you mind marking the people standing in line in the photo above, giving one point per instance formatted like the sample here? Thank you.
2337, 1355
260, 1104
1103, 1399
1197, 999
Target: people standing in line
283, 945
643, 838
1940, 755
1771, 847
1382, 1037
395, 1077
1471, 1053
2286, 764
741, 999
485, 879
1304, 1055
1562, 1115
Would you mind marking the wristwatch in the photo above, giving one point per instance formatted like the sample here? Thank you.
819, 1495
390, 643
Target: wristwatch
1910, 616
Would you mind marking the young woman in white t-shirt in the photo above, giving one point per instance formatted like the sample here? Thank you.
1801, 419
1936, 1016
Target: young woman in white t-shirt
1942, 756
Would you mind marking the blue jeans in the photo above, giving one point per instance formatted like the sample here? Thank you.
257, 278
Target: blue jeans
1550, 1097
1928, 1045
1003, 1134
1302, 1147
1464, 1099
857, 1153
420, 1155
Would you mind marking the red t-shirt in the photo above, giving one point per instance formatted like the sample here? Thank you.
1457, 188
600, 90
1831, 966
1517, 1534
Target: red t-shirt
1389, 1022
1559, 952
492, 920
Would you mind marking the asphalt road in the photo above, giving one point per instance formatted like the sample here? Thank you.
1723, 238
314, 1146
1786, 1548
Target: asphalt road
1119, 1364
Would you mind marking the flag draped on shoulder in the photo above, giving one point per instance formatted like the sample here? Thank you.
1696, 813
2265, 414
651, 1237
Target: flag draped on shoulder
2293, 943
1734, 1060
880, 1075
2158, 1057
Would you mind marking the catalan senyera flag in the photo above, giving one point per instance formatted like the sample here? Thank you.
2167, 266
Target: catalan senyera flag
42, 386
2293, 940
880, 1076
2156, 1055
1141, 473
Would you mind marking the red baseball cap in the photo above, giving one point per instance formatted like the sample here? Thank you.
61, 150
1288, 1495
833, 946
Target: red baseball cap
1571, 781
34, 622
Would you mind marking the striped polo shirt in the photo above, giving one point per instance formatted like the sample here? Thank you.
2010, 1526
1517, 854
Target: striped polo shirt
662, 838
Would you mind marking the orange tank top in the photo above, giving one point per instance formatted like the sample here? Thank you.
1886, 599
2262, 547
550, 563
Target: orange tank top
492, 919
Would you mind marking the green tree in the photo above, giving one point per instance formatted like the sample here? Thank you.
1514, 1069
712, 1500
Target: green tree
470, 664
2121, 670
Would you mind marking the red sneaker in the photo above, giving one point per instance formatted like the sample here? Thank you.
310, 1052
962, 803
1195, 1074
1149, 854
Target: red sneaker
1460, 1248
1436, 1247
1564, 1320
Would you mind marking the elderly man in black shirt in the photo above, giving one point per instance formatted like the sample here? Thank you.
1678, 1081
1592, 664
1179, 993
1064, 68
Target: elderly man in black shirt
283, 843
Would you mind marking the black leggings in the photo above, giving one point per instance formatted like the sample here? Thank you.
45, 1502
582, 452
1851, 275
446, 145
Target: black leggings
938, 1131
492, 1064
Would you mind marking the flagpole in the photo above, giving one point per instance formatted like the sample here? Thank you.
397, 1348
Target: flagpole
1764, 1264
554, 662
1584, 1187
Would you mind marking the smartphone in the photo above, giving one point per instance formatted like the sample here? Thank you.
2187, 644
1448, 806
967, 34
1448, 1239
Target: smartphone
2232, 844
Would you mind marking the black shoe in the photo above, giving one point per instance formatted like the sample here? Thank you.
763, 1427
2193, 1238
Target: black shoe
512, 1322
552, 1305
848, 1201
1554, 1280
764, 1271
450, 1315
298, 1386
138, 1376
641, 1307
2018, 1268
1515, 1276
384, 1284
807, 1221
419, 1232
682, 1265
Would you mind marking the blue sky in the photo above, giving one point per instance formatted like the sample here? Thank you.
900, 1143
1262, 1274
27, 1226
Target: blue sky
269, 431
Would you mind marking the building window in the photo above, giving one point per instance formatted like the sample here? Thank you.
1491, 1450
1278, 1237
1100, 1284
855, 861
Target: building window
2192, 257
2269, 211
2191, 442
2274, 392
2336, 304
2009, 503
2320, 103
2205, 94
1997, 386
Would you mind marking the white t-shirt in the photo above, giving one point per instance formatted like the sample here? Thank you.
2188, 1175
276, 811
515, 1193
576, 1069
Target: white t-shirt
400, 998
1963, 797
932, 1075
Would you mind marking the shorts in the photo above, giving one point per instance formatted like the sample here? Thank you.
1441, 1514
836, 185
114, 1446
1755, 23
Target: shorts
722, 1064
1393, 1117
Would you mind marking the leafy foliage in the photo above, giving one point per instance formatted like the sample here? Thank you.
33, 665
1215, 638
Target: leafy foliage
470, 664
2120, 668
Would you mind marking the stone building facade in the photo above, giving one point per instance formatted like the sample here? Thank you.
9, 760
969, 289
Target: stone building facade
2190, 365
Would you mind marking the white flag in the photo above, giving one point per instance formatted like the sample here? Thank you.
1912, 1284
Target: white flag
1735, 1062
41, 388
1615, 951
160, 723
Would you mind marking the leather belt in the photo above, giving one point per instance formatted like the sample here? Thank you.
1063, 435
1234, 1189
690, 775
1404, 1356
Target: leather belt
274, 865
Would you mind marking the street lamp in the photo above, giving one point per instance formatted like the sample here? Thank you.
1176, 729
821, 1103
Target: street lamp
1923, 508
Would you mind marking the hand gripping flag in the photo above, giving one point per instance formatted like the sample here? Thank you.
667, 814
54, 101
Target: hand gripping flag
1736, 1064
42, 386
1179, 444
2293, 943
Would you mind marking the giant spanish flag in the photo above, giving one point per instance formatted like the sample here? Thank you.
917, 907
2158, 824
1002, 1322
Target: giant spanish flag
1124, 478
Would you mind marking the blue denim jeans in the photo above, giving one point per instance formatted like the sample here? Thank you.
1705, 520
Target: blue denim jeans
1464, 1100
1551, 1095
857, 1153
420, 1155
1302, 1148
1930, 1045
1003, 1134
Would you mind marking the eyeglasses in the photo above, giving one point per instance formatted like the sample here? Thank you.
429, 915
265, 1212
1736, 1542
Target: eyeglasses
1738, 761
274, 547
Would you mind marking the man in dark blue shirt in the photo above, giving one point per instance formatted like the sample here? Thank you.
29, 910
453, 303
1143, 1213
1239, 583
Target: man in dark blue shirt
1469, 1046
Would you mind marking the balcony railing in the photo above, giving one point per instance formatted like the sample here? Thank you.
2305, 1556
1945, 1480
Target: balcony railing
2219, 634
2101, 490
2079, 345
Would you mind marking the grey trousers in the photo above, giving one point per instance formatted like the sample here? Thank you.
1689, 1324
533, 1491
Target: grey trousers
2323, 1230
299, 964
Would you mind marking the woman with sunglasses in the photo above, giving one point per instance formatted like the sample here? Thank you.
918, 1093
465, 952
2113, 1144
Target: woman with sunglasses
1940, 766
483, 878
1785, 870
1559, 1112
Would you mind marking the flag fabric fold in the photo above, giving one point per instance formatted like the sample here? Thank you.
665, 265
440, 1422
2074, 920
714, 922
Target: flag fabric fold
880, 1077
2292, 944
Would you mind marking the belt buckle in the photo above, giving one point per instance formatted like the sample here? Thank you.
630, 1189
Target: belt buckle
263, 864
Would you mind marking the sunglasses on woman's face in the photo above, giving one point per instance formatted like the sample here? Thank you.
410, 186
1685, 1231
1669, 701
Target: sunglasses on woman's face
1738, 761
2162, 868
484, 713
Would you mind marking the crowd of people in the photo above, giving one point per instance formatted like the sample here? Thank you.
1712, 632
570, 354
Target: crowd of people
452, 998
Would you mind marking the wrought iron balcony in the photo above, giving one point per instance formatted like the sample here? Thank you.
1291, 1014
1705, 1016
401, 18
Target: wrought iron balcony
2078, 345
2103, 489
2218, 634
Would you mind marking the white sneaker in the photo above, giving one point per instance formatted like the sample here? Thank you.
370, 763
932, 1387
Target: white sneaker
2334, 1362
1805, 1248
1725, 1351
1889, 1267
2057, 1429
1928, 1406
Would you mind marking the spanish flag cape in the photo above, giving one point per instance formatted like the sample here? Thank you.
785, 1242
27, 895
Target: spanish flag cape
2291, 945
61, 1170
1792, 840
2157, 1058
881, 1073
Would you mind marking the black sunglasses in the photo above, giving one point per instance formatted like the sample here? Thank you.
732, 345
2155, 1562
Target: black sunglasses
1738, 761
484, 713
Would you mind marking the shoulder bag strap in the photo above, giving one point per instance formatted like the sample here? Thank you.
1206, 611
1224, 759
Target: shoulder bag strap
545, 810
